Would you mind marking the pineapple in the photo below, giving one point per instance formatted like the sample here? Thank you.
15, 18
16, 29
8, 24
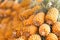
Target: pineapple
39, 19
13, 14
16, 6
56, 28
7, 12
34, 37
5, 20
9, 4
2, 12
51, 7
8, 31
21, 38
3, 4
44, 29
32, 29
25, 14
51, 36
52, 16
29, 21
1, 36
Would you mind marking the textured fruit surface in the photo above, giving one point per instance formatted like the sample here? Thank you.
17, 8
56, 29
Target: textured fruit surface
39, 19
56, 28
44, 29
29, 21
34, 37
51, 36
52, 16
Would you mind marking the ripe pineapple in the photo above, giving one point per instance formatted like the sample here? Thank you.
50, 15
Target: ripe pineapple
2, 12
21, 38
32, 29
56, 28
3, 4
51, 7
5, 20
1, 36
39, 19
9, 4
29, 21
44, 29
52, 16
16, 6
7, 12
34, 37
51, 36
25, 14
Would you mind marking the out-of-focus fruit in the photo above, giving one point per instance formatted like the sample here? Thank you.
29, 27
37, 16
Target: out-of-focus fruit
5, 20
25, 14
7, 12
29, 21
56, 28
8, 31
39, 19
34, 37
9, 4
51, 36
3, 4
32, 29
21, 38
52, 16
44, 30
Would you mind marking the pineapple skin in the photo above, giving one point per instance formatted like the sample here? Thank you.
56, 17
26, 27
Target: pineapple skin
39, 19
21, 38
52, 16
32, 29
28, 21
34, 37
44, 29
56, 28
51, 36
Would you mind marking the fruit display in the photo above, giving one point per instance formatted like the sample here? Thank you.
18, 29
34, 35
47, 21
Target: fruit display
34, 37
44, 30
51, 36
29, 19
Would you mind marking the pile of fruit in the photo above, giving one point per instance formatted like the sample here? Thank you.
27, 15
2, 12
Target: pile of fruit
29, 20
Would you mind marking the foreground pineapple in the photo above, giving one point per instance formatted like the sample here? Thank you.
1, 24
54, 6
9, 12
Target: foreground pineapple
44, 30
52, 16
39, 19
34, 37
56, 28
51, 36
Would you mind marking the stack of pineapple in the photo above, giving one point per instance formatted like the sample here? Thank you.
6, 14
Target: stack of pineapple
29, 20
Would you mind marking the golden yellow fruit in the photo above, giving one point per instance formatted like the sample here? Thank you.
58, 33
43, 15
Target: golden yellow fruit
39, 19
44, 29
25, 14
21, 38
5, 20
9, 4
34, 37
3, 5
7, 12
56, 28
28, 21
8, 31
51, 36
32, 29
52, 16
